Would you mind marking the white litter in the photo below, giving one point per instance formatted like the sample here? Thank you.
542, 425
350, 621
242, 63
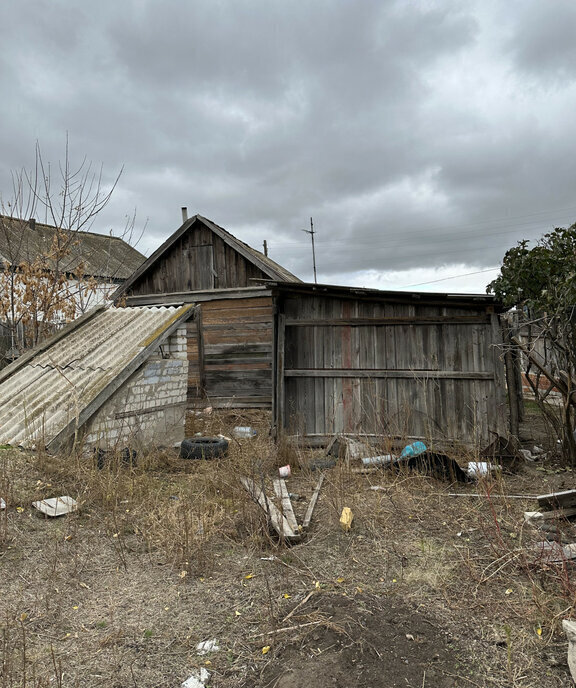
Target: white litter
197, 680
478, 469
244, 431
2, 503
56, 506
527, 454
207, 646
383, 460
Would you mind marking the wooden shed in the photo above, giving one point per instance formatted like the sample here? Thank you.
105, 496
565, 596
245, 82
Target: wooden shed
229, 343
201, 256
230, 338
327, 359
400, 364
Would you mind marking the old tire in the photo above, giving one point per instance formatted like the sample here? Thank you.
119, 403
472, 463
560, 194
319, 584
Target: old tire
203, 448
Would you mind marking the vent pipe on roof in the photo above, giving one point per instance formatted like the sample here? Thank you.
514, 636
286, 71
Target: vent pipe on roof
32, 223
184, 213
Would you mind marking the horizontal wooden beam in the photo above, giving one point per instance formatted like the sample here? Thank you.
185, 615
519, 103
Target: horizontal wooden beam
155, 409
229, 403
314, 440
404, 320
181, 297
409, 374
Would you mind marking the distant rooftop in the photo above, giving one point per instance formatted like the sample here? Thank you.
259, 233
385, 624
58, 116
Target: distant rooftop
100, 255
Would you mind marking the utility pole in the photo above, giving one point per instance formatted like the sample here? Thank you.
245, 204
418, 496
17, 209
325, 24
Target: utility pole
265, 248
311, 232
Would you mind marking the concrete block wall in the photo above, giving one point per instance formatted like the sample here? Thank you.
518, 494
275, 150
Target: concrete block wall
150, 407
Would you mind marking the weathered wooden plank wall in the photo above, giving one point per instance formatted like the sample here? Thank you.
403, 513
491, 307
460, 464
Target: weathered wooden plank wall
230, 354
400, 369
199, 260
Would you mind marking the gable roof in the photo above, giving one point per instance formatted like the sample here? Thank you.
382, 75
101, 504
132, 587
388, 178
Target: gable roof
269, 267
51, 391
100, 255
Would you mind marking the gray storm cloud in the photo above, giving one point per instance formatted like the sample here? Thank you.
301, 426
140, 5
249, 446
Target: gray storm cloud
416, 134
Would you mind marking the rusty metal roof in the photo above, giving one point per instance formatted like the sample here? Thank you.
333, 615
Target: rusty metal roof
49, 392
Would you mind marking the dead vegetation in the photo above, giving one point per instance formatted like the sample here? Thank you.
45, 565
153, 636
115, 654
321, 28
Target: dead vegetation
425, 590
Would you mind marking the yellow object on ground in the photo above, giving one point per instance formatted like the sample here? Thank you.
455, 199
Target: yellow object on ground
346, 519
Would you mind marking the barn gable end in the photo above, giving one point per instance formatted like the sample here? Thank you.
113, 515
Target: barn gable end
201, 256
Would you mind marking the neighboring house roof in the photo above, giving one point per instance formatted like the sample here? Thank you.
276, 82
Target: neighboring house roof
101, 255
269, 267
51, 391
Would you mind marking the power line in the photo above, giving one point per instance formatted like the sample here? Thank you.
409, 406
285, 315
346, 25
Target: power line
444, 279
505, 228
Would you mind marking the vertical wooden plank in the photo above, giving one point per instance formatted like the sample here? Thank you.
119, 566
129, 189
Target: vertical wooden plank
200, 340
347, 383
280, 379
275, 306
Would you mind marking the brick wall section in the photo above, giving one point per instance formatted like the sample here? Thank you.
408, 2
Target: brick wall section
150, 408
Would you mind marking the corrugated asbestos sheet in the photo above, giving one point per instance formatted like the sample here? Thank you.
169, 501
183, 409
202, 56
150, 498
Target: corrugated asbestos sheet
42, 398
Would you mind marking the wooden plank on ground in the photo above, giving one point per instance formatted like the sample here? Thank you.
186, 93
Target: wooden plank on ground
277, 520
312, 505
556, 500
288, 512
559, 514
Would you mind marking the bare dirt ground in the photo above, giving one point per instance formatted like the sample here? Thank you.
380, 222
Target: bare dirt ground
426, 590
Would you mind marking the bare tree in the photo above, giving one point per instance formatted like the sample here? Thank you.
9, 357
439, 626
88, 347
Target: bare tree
49, 272
540, 282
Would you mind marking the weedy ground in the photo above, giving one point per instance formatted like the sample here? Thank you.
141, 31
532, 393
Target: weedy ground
426, 590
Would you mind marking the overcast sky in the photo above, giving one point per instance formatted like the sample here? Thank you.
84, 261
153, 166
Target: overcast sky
424, 138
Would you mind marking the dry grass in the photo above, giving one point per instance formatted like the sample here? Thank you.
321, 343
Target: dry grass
167, 553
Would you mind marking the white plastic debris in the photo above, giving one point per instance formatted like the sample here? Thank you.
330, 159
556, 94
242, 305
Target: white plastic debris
244, 431
527, 454
207, 646
530, 516
382, 460
197, 679
56, 506
284, 471
2, 503
480, 469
